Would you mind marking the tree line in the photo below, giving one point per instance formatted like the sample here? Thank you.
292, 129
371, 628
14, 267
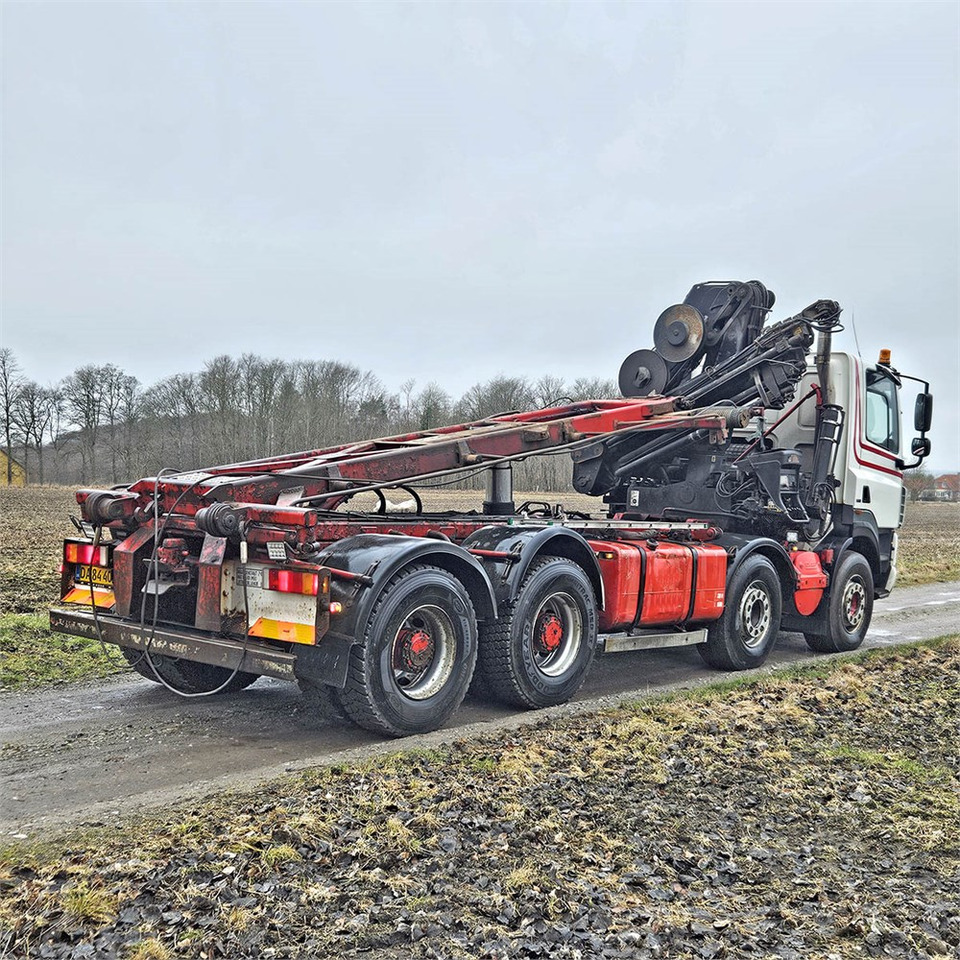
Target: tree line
101, 425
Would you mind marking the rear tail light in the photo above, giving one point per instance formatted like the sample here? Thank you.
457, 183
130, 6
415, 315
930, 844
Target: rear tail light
86, 553
293, 581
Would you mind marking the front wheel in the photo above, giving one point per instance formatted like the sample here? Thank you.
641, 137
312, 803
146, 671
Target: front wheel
417, 655
849, 607
747, 630
538, 652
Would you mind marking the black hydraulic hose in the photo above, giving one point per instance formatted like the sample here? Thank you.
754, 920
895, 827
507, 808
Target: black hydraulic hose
626, 467
155, 566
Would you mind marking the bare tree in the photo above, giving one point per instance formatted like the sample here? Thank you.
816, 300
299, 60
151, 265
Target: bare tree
219, 384
85, 394
171, 423
550, 391
238, 408
916, 481
497, 395
32, 414
120, 407
261, 382
56, 434
10, 385
594, 388
432, 407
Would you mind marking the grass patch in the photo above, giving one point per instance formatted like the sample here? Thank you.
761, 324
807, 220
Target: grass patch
149, 950
88, 905
31, 655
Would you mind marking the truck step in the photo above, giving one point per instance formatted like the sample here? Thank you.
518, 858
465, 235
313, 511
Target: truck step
625, 643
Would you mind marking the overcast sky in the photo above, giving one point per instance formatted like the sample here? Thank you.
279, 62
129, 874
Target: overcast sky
450, 191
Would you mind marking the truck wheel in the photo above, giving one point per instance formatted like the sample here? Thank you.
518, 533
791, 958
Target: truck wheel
538, 652
185, 675
747, 630
322, 702
417, 656
138, 660
849, 607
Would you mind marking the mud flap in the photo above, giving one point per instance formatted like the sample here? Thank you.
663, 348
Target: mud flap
327, 662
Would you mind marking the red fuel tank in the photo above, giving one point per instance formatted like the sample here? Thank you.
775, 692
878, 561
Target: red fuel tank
656, 582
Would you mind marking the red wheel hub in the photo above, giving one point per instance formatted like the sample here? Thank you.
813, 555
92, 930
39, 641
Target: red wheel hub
550, 633
415, 649
419, 642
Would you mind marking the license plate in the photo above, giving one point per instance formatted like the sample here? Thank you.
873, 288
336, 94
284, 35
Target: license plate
100, 576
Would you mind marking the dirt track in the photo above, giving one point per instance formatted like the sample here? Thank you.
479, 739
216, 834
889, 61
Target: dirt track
85, 752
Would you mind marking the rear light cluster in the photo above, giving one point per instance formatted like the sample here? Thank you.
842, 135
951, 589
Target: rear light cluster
293, 581
87, 554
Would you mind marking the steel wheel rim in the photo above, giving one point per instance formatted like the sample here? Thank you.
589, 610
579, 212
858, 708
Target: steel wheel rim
423, 652
557, 621
854, 603
754, 615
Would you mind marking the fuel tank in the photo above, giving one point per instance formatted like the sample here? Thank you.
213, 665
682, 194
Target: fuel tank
657, 582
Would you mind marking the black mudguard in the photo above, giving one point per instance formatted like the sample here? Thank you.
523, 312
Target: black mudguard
375, 558
528, 545
741, 546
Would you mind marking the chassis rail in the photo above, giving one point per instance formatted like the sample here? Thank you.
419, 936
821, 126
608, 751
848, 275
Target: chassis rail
175, 642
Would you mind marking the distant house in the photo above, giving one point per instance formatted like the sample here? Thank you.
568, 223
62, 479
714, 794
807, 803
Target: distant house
947, 487
18, 475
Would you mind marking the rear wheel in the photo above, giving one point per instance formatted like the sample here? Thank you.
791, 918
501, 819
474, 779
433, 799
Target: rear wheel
322, 703
849, 607
747, 630
185, 675
538, 652
419, 649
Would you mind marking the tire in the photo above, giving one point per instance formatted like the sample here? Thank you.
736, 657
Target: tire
479, 688
747, 630
185, 675
417, 656
537, 654
138, 660
849, 607
322, 703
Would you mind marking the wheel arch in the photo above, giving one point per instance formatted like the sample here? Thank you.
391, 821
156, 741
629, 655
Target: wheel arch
869, 548
862, 534
382, 556
530, 545
744, 547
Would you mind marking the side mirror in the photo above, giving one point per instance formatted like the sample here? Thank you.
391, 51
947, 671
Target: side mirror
923, 412
920, 447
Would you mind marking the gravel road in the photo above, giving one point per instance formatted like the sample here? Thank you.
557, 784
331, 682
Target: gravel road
88, 752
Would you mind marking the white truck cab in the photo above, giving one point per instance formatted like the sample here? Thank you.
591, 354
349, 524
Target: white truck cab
870, 496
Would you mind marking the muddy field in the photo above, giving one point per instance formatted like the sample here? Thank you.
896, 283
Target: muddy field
813, 815
34, 520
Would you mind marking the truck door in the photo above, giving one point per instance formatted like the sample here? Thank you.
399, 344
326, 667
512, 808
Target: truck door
876, 436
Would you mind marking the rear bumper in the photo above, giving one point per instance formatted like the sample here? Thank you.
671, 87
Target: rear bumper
180, 642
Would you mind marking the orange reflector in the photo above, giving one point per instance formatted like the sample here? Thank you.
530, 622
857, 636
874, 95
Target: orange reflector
102, 598
283, 630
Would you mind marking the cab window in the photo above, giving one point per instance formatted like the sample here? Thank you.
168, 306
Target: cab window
883, 414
